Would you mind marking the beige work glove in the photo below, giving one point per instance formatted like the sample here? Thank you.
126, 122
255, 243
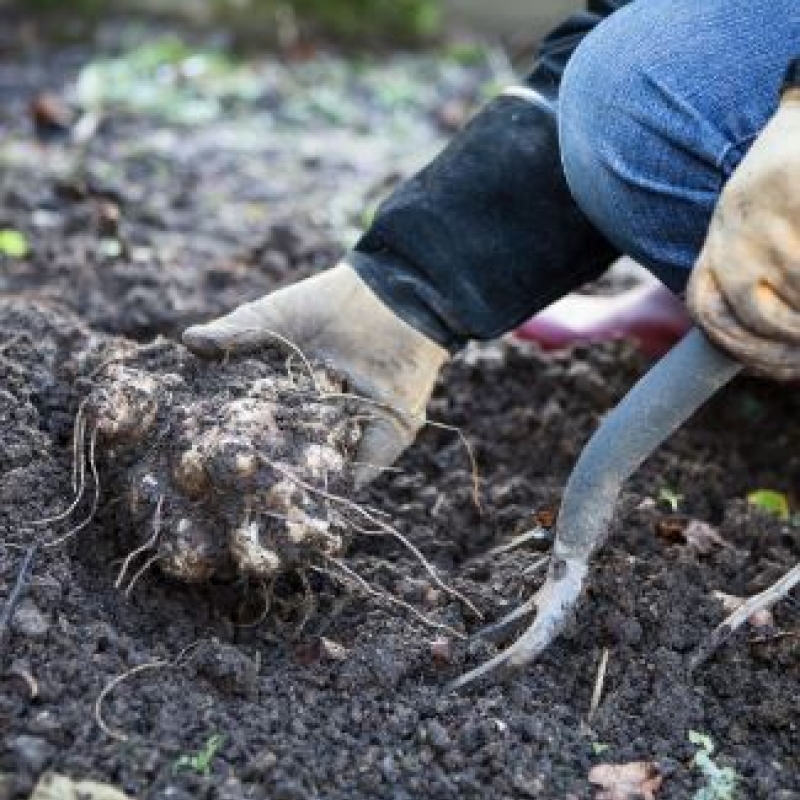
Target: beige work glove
336, 318
745, 288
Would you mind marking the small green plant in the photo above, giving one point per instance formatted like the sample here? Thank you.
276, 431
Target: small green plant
772, 502
720, 782
598, 748
670, 498
200, 762
13, 243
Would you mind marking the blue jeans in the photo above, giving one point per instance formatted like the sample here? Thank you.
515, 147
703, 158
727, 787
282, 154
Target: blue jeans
658, 106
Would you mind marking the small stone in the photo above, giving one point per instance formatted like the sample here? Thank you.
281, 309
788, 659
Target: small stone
260, 765
228, 668
442, 650
333, 651
438, 737
30, 621
32, 751
389, 769
432, 597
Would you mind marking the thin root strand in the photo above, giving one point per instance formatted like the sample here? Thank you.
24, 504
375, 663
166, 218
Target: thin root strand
385, 526
364, 585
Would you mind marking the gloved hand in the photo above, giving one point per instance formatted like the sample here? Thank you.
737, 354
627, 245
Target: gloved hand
745, 288
336, 318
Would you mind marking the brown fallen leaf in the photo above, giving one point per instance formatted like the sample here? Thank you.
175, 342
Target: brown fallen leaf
702, 537
698, 536
441, 650
50, 113
672, 528
638, 780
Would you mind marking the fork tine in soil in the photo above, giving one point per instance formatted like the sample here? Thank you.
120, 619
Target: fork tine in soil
651, 412
759, 602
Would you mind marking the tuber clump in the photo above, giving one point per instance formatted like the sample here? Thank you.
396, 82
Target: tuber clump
222, 460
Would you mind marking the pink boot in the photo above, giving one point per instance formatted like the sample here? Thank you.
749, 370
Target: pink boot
650, 314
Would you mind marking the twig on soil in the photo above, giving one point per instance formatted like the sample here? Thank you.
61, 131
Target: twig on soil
148, 545
78, 448
528, 536
160, 663
598, 685
309, 604
385, 526
95, 501
379, 467
536, 566
17, 592
384, 596
760, 602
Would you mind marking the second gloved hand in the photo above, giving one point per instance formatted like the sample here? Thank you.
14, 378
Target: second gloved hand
336, 318
745, 289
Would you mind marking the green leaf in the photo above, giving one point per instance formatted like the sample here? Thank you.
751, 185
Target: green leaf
670, 498
598, 748
200, 762
719, 782
702, 740
13, 243
773, 502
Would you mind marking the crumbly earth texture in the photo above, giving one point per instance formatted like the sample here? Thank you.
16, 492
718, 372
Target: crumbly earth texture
314, 688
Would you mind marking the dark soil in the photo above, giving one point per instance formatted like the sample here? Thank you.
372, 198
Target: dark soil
317, 690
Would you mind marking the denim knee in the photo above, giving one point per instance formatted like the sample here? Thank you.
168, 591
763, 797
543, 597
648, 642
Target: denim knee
657, 107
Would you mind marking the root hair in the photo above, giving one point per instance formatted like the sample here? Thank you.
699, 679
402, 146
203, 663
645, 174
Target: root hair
346, 574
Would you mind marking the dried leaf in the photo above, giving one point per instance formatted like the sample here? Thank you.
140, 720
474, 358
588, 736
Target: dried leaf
442, 650
730, 602
699, 536
702, 537
546, 517
51, 112
671, 528
638, 780
318, 650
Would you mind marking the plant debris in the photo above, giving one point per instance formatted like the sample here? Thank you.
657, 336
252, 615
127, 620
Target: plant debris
638, 780
772, 502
